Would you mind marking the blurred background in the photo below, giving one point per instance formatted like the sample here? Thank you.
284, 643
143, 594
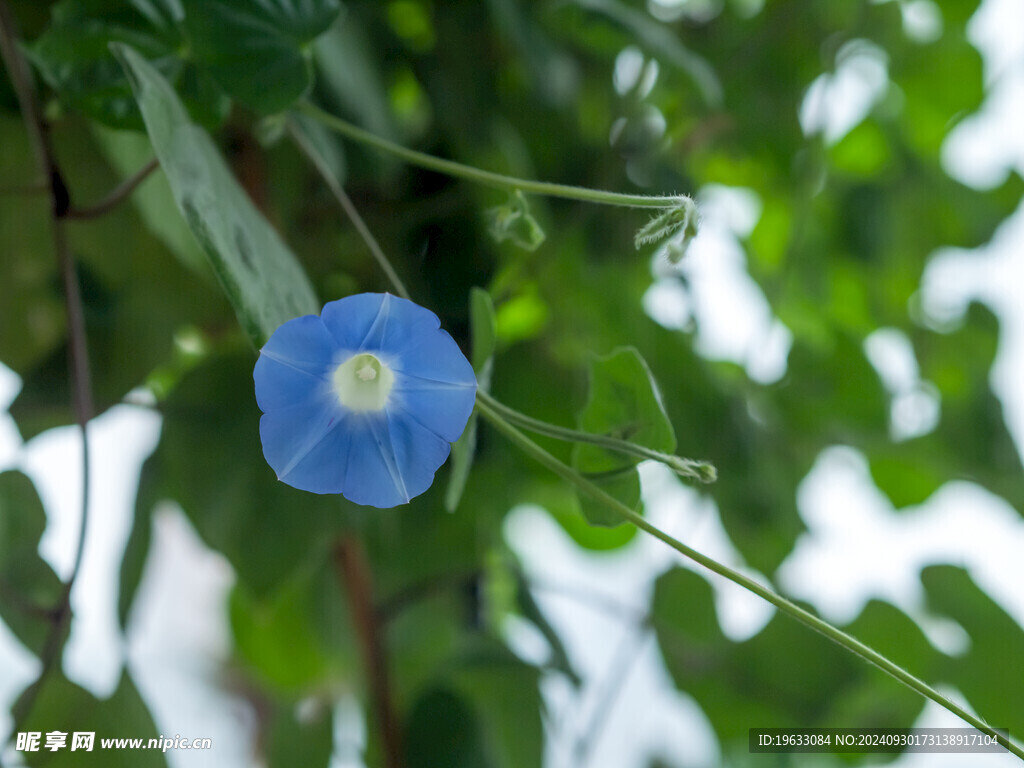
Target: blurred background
843, 340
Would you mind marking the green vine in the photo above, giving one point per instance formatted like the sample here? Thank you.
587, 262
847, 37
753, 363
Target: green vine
490, 178
850, 643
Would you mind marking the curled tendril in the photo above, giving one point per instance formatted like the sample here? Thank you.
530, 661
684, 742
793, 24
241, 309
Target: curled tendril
680, 220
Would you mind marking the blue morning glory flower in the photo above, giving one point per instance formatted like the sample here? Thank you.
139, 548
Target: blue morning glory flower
364, 400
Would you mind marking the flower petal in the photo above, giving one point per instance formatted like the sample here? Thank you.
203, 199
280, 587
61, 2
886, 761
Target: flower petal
392, 460
400, 325
418, 451
441, 408
435, 357
373, 476
294, 363
412, 336
307, 445
350, 319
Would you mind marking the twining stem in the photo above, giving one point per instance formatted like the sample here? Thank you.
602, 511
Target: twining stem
119, 193
468, 172
354, 573
696, 470
21, 80
850, 643
350, 210
78, 356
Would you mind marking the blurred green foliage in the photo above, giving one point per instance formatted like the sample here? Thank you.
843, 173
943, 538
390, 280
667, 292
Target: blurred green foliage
525, 88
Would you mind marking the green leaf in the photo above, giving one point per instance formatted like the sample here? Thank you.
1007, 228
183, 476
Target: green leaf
577, 526
971, 440
877, 701
463, 451
444, 730
32, 319
905, 481
503, 692
73, 56
422, 637
76, 63
484, 333
863, 152
257, 51
522, 317
299, 636
300, 734
136, 550
484, 338
532, 612
162, 14
624, 403
784, 674
28, 586
513, 221
985, 672
63, 706
260, 275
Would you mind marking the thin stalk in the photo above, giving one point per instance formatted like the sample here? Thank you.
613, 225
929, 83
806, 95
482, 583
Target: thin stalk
119, 193
468, 172
78, 355
356, 579
350, 210
697, 470
21, 81
850, 643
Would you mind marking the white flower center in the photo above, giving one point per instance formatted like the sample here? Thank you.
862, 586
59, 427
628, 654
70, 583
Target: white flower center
363, 383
